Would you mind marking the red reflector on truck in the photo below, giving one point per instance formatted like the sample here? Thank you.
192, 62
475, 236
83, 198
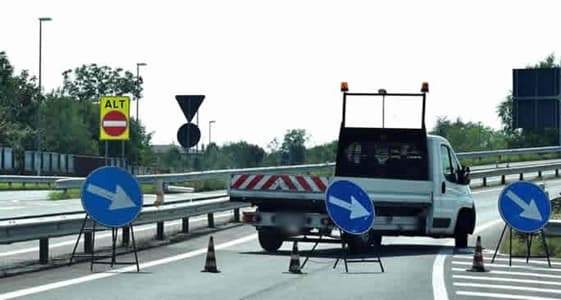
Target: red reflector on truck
248, 216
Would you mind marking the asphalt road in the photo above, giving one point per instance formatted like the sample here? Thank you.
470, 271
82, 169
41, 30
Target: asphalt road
416, 268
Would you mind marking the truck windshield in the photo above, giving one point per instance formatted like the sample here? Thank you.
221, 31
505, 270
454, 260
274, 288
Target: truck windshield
382, 153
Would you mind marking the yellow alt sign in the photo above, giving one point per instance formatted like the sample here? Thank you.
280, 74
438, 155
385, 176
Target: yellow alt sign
114, 118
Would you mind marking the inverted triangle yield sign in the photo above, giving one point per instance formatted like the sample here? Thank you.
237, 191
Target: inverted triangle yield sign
189, 104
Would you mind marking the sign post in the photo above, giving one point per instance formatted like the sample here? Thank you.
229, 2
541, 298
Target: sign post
524, 207
111, 197
352, 211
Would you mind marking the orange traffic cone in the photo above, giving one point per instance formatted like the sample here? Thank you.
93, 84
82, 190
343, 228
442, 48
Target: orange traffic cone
294, 266
210, 264
477, 265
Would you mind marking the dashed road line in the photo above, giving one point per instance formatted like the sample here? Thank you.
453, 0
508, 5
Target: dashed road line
502, 296
506, 279
507, 287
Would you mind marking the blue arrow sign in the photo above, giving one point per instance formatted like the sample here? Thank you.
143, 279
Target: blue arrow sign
111, 196
524, 206
349, 207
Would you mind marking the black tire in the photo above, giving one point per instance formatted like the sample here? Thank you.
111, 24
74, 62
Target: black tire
376, 240
464, 225
461, 240
270, 240
357, 243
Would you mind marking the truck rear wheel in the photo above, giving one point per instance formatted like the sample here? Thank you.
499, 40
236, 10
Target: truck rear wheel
270, 240
357, 243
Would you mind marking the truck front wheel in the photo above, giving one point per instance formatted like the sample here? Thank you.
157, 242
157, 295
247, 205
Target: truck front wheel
464, 225
270, 240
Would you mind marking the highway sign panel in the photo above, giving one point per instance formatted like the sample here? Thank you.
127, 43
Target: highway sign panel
188, 135
111, 196
524, 206
114, 118
349, 207
189, 104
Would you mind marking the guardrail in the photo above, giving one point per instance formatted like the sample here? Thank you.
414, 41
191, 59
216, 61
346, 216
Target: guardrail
55, 225
72, 182
507, 152
183, 177
9, 179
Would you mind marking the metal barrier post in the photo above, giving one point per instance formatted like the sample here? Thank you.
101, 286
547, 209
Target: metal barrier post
160, 231
44, 251
503, 179
484, 181
88, 242
185, 225
236, 215
210, 218
126, 235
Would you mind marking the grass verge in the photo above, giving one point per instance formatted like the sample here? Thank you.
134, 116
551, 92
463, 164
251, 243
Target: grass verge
21, 187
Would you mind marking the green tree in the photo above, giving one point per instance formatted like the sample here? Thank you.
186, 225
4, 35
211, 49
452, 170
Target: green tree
90, 82
322, 153
469, 136
19, 99
87, 84
64, 130
293, 149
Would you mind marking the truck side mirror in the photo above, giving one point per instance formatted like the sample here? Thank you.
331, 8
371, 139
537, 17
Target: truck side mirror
463, 175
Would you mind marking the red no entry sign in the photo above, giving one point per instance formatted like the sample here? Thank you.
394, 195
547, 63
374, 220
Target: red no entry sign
114, 123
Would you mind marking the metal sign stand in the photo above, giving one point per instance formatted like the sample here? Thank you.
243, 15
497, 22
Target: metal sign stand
345, 258
529, 238
96, 259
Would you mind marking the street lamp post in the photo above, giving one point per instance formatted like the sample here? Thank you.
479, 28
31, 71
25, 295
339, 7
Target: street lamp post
41, 20
138, 65
209, 131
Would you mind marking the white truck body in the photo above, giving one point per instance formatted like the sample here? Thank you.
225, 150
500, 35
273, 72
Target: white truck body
414, 180
436, 215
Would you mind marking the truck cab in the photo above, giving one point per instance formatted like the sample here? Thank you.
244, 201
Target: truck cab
415, 181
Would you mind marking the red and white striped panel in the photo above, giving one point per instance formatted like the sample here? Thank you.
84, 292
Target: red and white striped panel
289, 183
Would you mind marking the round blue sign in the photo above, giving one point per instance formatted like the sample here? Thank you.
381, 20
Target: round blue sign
524, 206
111, 196
349, 207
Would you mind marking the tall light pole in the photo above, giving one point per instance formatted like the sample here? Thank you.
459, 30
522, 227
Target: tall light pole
41, 20
138, 65
210, 130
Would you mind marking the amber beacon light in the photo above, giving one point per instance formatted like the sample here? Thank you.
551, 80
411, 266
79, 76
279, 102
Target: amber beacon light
425, 87
344, 86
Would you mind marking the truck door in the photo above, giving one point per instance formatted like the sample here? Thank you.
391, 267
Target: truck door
448, 192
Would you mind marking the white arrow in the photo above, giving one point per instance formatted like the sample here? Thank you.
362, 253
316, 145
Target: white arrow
529, 211
357, 210
119, 199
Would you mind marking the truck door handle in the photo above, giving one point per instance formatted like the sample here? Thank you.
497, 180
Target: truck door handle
444, 187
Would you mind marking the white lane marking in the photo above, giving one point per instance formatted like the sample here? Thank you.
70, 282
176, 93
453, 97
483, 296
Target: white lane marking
514, 273
495, 265
541, 262
506, 287
438, 281
486, 191
69, 282
11, 207
505, 279
502, 296
105, 235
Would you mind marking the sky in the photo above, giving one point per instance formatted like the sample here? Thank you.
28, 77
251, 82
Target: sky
269, 66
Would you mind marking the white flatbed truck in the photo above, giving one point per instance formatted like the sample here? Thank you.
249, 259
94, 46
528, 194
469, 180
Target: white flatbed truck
415, 181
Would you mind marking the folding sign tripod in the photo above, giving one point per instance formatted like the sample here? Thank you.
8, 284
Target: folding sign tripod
84, 230
529, 238
345, 247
